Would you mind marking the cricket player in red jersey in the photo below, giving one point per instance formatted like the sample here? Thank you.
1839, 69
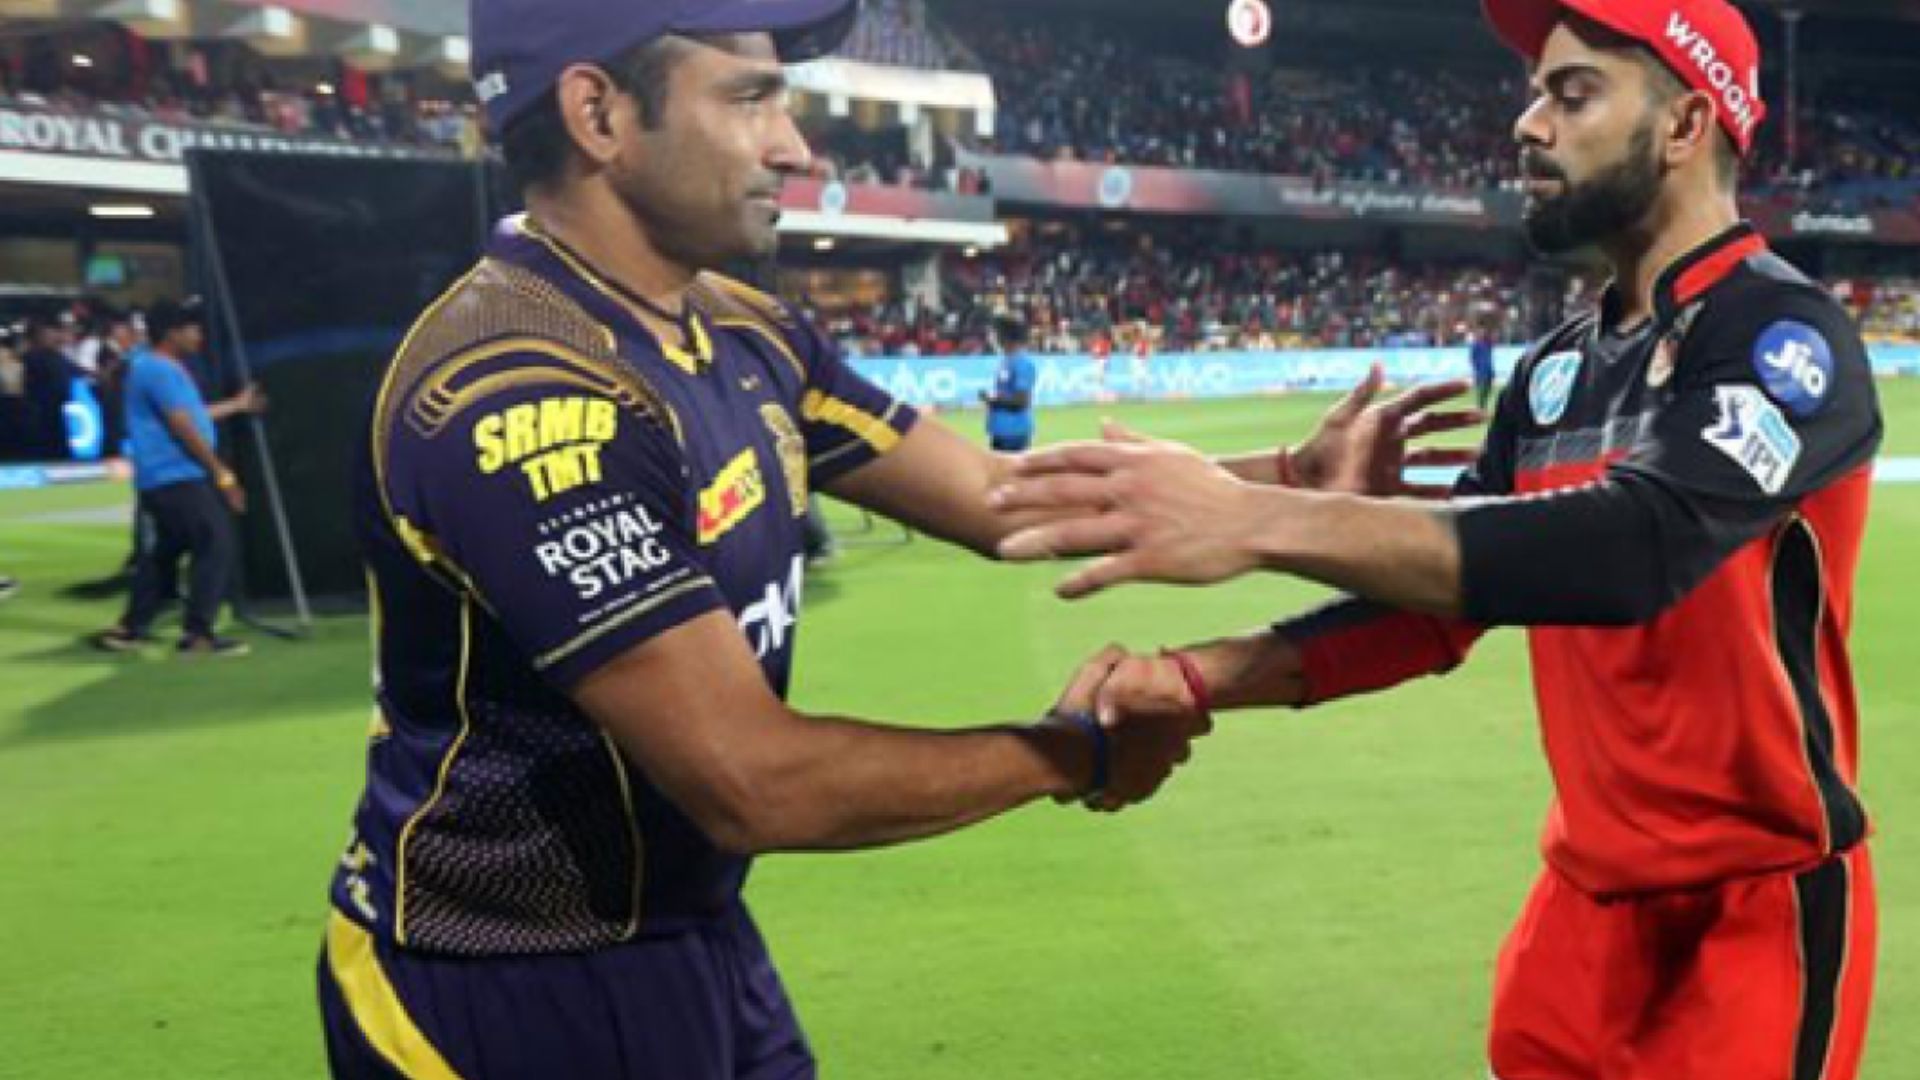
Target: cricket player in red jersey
1671, 500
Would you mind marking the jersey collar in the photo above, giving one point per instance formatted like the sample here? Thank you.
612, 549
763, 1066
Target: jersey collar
695, 358
1694, 274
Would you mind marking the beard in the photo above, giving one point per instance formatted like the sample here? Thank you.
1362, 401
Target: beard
1615, 200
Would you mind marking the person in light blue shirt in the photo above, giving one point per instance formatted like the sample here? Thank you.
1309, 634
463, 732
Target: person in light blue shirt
1010, 402
186, 493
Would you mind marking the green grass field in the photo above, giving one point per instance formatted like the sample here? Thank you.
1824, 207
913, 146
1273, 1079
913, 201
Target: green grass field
1319, 896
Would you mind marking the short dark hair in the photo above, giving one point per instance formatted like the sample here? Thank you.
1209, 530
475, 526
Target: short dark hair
1666, 84
167, 316
535, 146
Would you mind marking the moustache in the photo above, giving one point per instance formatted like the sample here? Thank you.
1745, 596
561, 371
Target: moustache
767, 189
1536, 166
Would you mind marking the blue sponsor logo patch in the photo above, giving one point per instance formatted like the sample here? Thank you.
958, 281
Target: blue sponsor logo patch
1552, 387
1795, 364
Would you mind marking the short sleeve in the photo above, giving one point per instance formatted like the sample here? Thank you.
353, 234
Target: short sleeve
560, 506
1025, 376
846, 420
172, 390
1773, 399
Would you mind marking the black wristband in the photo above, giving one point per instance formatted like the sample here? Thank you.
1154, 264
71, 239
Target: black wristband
1102, 750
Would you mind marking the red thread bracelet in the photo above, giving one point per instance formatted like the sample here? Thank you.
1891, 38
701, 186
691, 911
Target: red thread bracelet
1196, 686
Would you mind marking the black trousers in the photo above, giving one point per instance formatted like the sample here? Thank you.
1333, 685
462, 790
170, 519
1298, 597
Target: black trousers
188, 518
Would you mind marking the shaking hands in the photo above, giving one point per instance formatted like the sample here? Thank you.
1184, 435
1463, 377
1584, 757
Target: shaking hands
1137, 717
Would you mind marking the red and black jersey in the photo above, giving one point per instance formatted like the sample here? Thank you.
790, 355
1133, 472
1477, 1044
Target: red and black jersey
1675, 511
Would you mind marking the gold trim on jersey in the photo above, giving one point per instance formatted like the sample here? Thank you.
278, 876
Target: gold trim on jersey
378, 727
446, 767
735, 305
723, 292
376, 1006
407, 344
692, 357
441, 397
549, 659
778, 342
876, 431
634, 835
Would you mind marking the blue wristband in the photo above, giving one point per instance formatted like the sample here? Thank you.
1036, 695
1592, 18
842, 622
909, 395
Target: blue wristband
1102, 750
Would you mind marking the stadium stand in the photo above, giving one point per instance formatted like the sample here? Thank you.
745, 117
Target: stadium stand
1888, 308
1072, 92
105, 68
895, 33
1192, 300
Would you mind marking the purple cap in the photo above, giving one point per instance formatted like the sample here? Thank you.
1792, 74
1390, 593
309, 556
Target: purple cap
520, 47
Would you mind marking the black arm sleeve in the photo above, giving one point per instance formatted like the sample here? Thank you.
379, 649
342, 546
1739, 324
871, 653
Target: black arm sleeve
1773, 400
1614, 553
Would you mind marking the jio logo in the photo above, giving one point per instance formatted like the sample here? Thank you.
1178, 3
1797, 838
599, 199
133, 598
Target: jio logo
1795, 364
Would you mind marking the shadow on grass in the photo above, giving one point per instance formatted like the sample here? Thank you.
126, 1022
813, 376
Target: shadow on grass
155, 691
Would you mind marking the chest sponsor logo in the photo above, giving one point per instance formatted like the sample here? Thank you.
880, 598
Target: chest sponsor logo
769, 621
604, 550
555, 443
734, 495
1795, 364
1551, 390
1751, 431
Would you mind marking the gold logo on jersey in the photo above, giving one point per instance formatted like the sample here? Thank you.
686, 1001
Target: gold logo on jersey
732, 497
792, 449
556, 443
1666, 355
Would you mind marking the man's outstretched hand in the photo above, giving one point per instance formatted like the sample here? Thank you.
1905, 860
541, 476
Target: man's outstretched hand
1156, 510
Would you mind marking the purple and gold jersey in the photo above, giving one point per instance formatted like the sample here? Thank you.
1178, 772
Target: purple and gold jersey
547, 485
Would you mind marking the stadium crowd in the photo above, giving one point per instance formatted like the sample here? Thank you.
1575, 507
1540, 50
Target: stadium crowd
1157, 300
1088, 93
1078, 299
109, 69
1082, 92
1071, 92
1888, 309
44, 358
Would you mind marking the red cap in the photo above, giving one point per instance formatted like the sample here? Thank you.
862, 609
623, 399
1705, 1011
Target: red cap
1706, 42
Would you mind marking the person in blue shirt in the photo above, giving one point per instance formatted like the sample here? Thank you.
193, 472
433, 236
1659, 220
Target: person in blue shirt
1010, 402
1481, 355
187, 493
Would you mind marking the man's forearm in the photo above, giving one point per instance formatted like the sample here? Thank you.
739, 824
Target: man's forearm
1256, 670
1402, 553
188, 436
845, 785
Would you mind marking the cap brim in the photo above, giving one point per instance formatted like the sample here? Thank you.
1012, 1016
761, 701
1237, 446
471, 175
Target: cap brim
802, 29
